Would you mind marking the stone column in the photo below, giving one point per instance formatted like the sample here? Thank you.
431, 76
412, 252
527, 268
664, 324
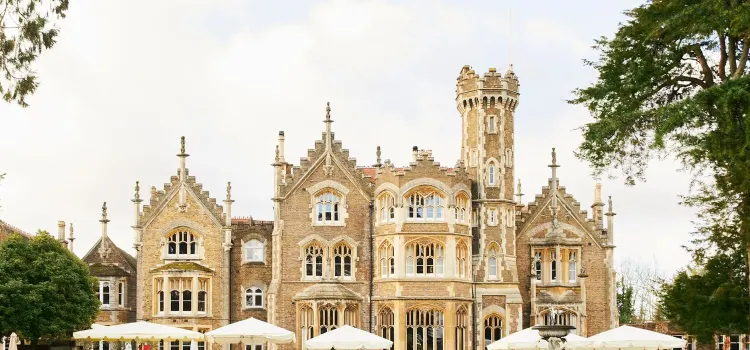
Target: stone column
449, 326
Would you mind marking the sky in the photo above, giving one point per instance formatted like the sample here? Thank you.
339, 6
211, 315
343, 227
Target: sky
128, 78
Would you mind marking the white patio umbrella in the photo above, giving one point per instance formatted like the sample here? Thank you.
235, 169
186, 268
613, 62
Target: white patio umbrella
140, 331
251, 332
348, 338
529, 339
13, 341
626, 337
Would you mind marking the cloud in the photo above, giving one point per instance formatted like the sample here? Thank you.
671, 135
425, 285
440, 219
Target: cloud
128, 79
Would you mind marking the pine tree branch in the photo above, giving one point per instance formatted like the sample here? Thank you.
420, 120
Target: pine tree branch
708, 75
743, 59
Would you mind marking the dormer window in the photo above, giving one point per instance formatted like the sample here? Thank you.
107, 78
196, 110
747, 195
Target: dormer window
426, 207
327, 208
182, 244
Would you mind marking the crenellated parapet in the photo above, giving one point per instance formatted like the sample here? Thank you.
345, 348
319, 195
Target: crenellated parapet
491, 90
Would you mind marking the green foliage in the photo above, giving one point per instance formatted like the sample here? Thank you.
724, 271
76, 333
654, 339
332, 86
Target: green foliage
26, 29
625, 302
673, 81
45, 291
711, 300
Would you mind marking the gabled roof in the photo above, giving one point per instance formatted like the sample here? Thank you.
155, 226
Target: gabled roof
159, 199
118, 253
7, 229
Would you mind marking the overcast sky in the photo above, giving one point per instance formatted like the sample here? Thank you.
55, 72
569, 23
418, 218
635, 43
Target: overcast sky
128, 78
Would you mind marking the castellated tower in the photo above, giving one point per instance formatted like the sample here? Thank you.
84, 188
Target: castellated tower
486, 105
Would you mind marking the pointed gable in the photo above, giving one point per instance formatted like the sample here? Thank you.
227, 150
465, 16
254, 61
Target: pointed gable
180, 185
105, 258
327, 154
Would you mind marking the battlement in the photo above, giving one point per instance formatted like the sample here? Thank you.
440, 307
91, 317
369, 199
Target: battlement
491, 90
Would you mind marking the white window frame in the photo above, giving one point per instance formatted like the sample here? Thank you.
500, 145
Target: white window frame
492, 124
425, 201
538, 266
177, 238
321, 253
387, 208
109, 294
346, 251
121, 294
492, 260
572, 266
322, 201
553, 268
246, 251
254, 292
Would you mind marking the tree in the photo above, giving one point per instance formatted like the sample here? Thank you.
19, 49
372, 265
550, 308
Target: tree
625, 302
45, 291
26, 29
674, 81
710, 300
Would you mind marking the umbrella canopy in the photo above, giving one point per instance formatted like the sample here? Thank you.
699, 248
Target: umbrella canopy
252, 332
626, 337
528, 339
138, 331
348, 338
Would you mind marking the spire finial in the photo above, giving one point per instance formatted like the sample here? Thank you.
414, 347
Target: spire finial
182, 144
377, 154
277, 154
519, 194
137, 191
229, 191
609, 204
328, 112
71, 231
554, 156
104, 213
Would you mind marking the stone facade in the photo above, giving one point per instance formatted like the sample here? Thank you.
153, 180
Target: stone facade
426, 255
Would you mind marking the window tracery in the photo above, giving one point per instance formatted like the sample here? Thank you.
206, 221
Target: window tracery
462, 259
342, 260
462, 329
493, 329
328, 316
387, 260
387, 208
462, 208
328, 207
424, 259
426, 206
182, 245
424, 330
492, 263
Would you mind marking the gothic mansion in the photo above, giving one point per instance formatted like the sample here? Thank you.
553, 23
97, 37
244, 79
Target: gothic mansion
432, 258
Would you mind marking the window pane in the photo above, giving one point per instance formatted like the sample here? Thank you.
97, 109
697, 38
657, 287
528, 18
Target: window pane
187, 300
174, 300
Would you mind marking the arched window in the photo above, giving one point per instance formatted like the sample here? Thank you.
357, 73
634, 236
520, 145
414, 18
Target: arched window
351, 315
161, 301
255, 251
387, 208
342, 260
307, 324
492, 263
462, 259
174, 301
428, 259
462, 329
328, 316
104, 291
202, 295
538, 265
313, 261
386, 324
254, 297
328, 207
491, 174
572, 267
426, 206
553, 266
424, 330
462, 208
182, 244
387, 266
493, 329
187, 301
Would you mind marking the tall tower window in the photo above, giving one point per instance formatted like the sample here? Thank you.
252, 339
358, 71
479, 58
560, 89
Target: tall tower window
491, 126
491, 175
492, 217
387, 267
492, 263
